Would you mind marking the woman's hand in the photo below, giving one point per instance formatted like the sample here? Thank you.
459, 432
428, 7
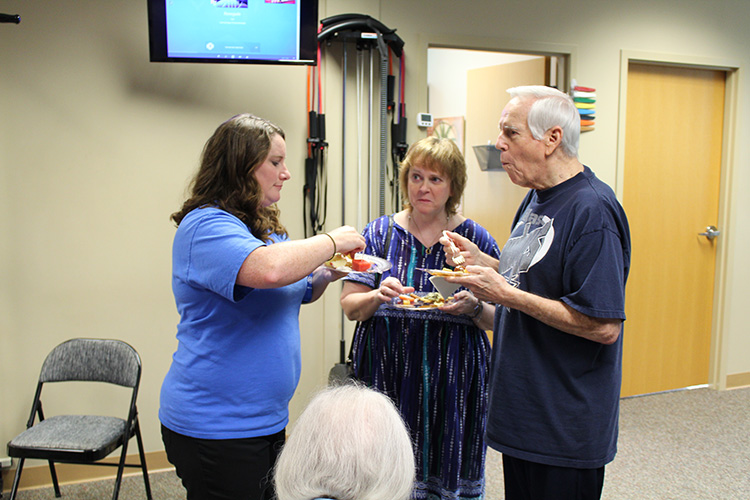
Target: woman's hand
321, 277
330, 274
347, 240
463, 302
360, 302
390, 288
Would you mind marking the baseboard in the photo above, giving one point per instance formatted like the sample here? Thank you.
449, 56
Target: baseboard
736, 380
38, 476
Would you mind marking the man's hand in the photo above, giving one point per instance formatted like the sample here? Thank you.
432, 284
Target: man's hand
484, 282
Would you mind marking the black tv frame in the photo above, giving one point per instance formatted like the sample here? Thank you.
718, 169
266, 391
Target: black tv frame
308, 49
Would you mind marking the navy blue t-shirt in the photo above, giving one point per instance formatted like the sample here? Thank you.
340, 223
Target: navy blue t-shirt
555, 396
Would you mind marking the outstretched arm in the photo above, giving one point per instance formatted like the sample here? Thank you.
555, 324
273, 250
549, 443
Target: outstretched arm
486, 284
281, 264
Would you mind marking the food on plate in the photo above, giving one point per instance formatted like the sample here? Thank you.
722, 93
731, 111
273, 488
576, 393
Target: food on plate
430, 300
339, 260
447, 272
346, 262
360, 265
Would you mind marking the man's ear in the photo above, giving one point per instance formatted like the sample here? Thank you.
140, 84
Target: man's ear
552, 139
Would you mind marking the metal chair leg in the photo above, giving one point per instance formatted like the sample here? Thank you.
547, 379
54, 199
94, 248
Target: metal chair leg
139, 441
53, 473
17, 479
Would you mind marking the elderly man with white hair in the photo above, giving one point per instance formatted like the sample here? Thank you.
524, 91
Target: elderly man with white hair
559, 287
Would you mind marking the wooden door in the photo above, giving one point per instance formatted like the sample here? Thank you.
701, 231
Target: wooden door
672, 166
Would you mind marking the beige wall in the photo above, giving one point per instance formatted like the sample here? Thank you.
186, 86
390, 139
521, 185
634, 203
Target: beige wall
97, 145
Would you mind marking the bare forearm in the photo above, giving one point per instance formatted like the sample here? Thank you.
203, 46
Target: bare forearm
361, 305
561, 316
487, 261
284, 263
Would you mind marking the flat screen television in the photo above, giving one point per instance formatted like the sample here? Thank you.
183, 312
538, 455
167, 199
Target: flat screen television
233, 31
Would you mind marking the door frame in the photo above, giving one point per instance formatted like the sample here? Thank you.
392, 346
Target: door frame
718, 356
489, 44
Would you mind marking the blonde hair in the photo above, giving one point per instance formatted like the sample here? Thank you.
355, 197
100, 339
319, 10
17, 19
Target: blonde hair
441, 156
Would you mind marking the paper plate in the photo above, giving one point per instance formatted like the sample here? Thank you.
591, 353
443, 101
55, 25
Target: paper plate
378, 265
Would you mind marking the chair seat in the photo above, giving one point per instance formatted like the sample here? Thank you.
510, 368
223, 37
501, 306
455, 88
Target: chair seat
69, 438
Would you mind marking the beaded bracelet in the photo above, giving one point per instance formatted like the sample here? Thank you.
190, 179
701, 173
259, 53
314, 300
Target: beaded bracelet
477, 310
334, 245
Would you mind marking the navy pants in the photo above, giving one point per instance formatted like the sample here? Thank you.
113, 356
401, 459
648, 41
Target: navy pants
224, 469
532, 481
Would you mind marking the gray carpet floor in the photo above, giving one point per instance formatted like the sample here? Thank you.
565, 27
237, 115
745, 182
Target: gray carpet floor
690, 444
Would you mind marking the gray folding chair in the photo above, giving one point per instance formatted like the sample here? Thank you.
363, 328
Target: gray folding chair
83, 439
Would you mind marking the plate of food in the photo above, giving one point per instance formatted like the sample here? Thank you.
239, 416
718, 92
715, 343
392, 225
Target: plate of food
419, 301
445, 272
357, 263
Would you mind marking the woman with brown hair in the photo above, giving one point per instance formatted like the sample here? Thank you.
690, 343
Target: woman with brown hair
238, 282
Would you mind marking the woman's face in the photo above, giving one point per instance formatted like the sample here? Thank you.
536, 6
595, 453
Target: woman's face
428, 190
272, 173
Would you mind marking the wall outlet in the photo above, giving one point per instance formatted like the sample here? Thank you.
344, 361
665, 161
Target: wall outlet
5, 462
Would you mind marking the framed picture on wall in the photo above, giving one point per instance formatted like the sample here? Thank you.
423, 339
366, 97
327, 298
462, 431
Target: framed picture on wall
449, 128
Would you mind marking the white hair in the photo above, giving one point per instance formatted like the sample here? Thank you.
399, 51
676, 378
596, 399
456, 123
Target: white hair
551, 108
350, 443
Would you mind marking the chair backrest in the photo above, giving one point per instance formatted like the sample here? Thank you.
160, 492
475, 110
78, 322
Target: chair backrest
93, 360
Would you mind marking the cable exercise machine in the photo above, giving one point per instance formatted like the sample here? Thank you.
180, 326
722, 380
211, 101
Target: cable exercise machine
368, 35
365, 34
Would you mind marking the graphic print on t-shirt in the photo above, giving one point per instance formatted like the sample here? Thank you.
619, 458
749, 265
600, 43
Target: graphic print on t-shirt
526, 249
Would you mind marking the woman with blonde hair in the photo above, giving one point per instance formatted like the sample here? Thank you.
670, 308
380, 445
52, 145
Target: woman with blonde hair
433, 363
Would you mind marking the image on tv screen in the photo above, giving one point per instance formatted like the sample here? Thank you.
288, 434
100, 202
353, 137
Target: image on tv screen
233, 30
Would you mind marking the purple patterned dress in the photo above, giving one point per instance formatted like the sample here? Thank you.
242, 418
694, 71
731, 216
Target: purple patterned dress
432, 364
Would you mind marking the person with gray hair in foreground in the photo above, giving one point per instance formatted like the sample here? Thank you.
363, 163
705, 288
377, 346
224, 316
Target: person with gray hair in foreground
350, 443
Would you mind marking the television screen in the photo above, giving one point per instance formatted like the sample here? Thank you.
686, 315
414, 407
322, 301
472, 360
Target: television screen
233, 31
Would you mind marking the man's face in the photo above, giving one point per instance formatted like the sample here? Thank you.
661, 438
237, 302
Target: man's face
522, 156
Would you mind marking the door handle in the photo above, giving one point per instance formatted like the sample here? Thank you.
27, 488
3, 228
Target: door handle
711, 232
